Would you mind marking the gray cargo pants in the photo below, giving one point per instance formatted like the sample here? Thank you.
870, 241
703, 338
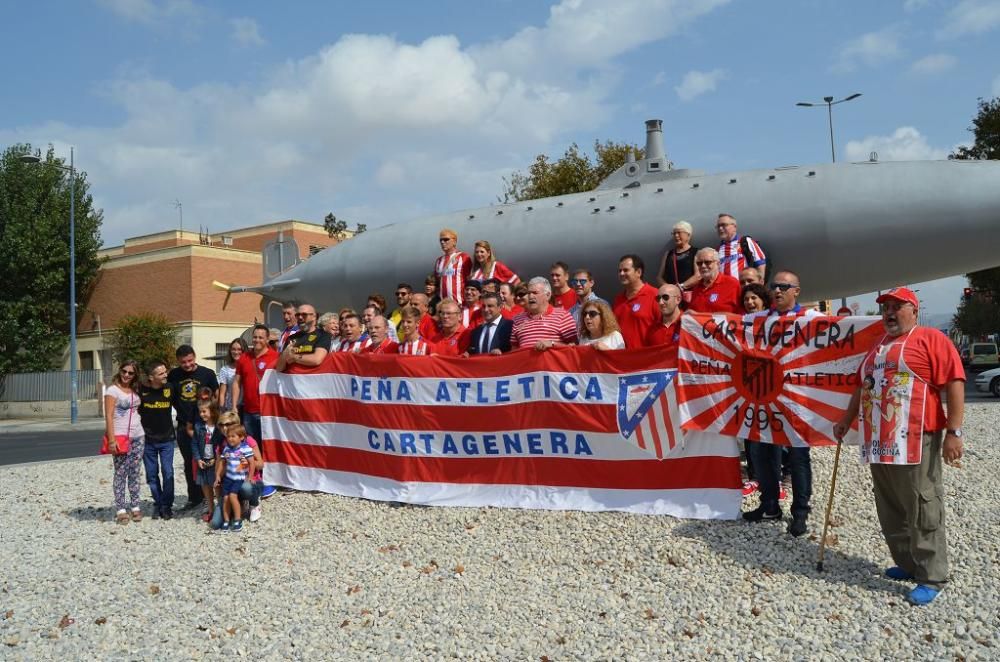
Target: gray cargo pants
910, 504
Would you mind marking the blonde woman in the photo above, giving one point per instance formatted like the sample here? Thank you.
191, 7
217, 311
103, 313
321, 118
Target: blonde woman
121, 421
599, 327
485, 265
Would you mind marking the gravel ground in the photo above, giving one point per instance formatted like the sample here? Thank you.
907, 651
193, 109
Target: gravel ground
322, 576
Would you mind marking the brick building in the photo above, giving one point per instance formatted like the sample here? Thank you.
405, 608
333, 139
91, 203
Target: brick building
172, 272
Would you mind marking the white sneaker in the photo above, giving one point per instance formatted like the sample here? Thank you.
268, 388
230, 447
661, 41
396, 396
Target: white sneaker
255, 513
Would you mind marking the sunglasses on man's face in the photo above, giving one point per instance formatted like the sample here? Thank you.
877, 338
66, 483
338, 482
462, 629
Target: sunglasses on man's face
578, 282
664, 297
783, 287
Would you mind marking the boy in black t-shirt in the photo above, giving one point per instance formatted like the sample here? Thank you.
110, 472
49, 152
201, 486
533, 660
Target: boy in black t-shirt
189, 378
156, 401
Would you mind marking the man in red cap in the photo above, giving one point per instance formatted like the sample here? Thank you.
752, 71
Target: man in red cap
904, 435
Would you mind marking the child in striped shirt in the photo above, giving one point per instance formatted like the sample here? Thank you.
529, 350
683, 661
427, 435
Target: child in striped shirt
236, 465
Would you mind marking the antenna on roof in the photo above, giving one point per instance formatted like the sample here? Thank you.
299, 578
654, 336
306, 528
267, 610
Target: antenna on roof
180, 211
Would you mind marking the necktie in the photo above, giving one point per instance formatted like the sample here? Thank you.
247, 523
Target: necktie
487, 332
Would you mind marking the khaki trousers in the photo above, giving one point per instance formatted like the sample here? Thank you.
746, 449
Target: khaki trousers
910, 504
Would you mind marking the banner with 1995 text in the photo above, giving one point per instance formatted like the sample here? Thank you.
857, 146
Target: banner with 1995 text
571, 428
775, 379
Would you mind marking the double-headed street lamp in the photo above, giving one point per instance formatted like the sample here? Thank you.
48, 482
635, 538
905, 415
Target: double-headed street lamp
830, 103
31, 158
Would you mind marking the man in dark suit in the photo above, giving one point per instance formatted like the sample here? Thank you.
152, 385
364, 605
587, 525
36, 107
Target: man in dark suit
493, 335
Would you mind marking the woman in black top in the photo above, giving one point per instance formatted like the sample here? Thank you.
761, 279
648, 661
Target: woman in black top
677, 265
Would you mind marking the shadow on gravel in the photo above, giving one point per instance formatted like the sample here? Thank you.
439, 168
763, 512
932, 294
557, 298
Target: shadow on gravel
768, 549
107, 513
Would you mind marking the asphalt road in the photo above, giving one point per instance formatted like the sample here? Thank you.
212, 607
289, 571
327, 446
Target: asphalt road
42, 446
18, 447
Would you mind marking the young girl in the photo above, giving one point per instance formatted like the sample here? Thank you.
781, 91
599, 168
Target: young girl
228, 372
235, 465
206, 442
121, 419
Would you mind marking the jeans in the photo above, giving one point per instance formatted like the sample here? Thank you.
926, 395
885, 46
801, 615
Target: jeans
766, 460
184, 444
252, 424
159, 458
249, 492
767, 466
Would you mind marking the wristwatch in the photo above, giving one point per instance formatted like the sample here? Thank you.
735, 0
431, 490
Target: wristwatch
957, 432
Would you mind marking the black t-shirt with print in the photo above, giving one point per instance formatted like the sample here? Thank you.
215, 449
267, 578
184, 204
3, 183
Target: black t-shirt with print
307, 342
154, 411
188, 384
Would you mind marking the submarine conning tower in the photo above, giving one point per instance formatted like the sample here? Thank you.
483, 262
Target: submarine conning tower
653, 167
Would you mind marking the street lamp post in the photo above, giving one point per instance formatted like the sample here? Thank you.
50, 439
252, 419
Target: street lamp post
830, 103
73, 380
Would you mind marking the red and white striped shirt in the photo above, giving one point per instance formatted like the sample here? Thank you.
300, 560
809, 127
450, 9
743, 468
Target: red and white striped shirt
452, 270
418, 347
387, 346
732, 260
355, 347
555, 324
499, 270
472, 317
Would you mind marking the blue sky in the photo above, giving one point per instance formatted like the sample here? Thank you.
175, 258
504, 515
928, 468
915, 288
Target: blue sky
380, 112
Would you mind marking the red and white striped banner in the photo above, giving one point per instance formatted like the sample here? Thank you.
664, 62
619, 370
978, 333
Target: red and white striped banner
571, 428
780, 380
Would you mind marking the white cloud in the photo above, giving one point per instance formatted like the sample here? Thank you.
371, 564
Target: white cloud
696, 83
870, 49
932, 65
971, 17
246, 32
366, 125
905, 144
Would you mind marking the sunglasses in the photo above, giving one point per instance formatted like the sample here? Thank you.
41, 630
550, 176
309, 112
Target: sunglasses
783, 287
591, 314
664, 297
128, 373
705, 263
578, 282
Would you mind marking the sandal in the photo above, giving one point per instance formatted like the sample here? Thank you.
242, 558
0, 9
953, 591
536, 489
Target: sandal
136, 515
121, 518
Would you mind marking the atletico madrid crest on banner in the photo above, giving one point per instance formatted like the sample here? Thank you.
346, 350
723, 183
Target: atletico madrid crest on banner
644, 406
776, 379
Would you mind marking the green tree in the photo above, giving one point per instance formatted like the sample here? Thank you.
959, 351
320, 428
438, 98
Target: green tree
337, 228
34, 258
573, 173
144, 337
981, 314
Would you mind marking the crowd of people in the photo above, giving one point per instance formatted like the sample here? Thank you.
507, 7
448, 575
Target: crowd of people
475, 304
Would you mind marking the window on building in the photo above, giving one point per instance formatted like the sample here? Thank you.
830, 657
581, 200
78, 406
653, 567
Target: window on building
86, 360
313, 249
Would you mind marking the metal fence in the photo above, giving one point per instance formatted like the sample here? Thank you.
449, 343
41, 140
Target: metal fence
50, 386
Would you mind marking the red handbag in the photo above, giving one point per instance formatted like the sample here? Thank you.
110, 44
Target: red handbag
121, 440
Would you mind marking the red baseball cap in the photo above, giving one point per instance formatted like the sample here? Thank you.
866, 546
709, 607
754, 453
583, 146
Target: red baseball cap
904, 294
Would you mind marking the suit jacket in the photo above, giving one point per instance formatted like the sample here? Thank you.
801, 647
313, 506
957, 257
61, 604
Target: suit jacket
500, 340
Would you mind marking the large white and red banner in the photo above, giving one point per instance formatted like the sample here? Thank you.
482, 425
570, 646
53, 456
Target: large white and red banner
781, 380
570, 428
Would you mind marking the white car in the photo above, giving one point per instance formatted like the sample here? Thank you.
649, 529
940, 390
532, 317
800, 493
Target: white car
989, 382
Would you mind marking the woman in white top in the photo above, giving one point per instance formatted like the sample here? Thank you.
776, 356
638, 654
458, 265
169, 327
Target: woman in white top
599, 327
228, 372
121, 419
330, 323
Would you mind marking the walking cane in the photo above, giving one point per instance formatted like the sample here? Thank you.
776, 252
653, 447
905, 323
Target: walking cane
829, 507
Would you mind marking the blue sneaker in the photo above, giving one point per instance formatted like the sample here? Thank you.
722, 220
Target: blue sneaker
237, 526
922, 595
897, 573
268, 491
224, 528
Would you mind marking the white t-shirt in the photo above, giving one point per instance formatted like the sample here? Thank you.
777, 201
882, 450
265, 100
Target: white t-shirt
126, 405
613, 340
